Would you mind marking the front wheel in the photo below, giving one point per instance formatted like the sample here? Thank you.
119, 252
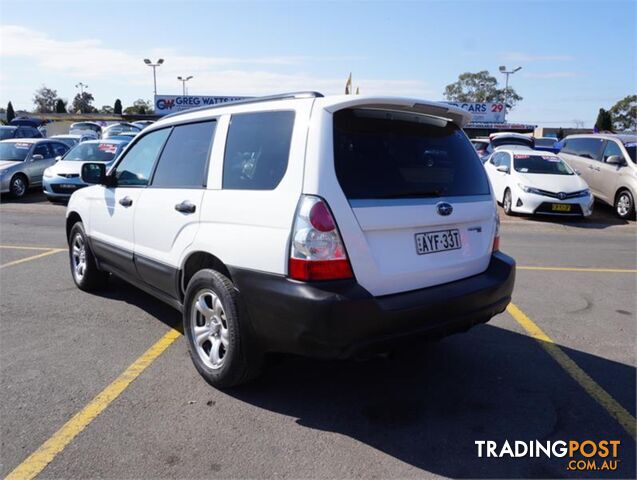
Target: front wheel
507, 203
625, 205
84, 269
218, 331
18, 186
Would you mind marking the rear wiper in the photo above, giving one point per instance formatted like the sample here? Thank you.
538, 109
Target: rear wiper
419, 194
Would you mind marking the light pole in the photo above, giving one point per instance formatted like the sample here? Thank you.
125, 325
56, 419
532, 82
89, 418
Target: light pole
81, 86
183, 81
154, 66
503, 69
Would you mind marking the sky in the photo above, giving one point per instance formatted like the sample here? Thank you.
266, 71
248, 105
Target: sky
576, 56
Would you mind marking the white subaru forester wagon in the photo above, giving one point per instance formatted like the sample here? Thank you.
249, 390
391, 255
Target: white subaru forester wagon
321, 226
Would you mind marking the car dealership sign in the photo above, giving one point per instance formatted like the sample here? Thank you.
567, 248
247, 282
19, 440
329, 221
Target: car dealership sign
165, 104
486, 112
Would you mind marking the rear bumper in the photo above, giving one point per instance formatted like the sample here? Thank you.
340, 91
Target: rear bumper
340, 319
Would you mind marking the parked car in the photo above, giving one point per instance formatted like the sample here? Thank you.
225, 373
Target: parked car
72, 140
63, 178
119, 128
81, 128
607, 163
481, 145
298, 223
506, 139
22, 162
15, 131
547, 144
532, 182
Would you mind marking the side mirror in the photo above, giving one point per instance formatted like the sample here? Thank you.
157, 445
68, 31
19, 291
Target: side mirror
58, 158
615, 160
577, 172
502, 168
37, 156
94, 173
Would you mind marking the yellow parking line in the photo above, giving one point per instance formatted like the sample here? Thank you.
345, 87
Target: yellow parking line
577, 269
33, 257
600, 395
38, 460
20, 247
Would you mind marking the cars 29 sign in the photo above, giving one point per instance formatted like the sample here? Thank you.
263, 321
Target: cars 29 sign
165, 104
486, 112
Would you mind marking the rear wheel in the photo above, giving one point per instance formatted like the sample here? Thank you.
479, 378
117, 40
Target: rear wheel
507, 202
625, 205
218, 333
84, 269
18, 186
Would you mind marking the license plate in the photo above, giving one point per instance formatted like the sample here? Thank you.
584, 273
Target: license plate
438, 241
67, 186
560, 207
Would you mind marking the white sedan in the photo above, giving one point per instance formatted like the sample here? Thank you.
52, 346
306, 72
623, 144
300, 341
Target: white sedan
531, 181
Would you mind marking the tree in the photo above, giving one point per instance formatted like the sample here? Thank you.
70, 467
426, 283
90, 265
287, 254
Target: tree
624, 114
480, 87
10, 112
45, 99
83, 103
60, 106
117, 108
604, 122
140, 107
107, 109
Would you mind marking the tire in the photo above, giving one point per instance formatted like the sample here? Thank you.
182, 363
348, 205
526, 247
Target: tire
84, 269
625, 205
507, 203
220, 340
19, 185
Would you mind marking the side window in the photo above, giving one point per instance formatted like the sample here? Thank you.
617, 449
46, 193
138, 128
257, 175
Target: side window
612, 149
585, 147
58, 149
495, 159
42, 149
136, 167
505, 159
257, 150
185, 157
20, 133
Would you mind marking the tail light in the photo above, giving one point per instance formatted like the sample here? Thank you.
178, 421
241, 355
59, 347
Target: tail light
496, 237
317, 251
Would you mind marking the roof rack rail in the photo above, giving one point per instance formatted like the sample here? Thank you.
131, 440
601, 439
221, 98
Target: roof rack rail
281, 96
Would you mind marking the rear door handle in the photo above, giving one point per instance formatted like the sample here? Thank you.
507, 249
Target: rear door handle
185, 207
126, 201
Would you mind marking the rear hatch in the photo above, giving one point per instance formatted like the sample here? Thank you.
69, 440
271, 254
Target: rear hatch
423, 210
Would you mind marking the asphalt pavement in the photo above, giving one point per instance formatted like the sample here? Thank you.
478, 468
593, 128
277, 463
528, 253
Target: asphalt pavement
416, 413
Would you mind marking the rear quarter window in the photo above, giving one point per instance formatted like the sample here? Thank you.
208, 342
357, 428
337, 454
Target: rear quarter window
393, 155
257, 150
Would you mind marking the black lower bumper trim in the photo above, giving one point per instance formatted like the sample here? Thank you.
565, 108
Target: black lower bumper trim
341, 318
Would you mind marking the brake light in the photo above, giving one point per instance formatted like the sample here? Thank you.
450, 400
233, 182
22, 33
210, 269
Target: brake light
496, 237
317, 251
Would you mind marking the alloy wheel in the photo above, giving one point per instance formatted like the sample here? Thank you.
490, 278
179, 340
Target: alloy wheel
209, 329
78, 256
624, 204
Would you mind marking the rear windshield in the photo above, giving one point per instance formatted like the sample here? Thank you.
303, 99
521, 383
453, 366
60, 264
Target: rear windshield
93, 152
381, 154
499, 142
540, 164
545, 142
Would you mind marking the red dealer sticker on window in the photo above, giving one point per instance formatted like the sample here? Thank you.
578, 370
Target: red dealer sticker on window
107, 147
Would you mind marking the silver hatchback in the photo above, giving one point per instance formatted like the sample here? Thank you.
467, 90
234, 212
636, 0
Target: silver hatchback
607, 162
23, 161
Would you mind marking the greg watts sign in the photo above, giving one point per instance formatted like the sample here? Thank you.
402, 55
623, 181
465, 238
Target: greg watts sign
487, 112
165, 104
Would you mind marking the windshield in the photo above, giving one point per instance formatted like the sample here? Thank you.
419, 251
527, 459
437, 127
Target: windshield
6, 133
545, 142
549, 165
92, 152
14, 151
86, 126
380, 154
631, 148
